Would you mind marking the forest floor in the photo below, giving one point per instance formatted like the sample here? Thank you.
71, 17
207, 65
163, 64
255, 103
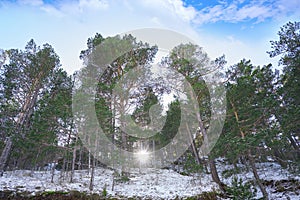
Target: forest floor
143, 183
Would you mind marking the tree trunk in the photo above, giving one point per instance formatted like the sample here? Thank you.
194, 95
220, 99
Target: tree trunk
280, 158
80, 159
90, 155
293, 142
251, 160
256, 176
91, 187
124, 140
204, 150
94, 165
73, 165
295, 145
52, 173
195, 152
5, 154
63, 169
215, 176
113, 181
22, 119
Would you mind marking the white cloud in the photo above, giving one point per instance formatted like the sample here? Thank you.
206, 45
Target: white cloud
52, 11
156, 21
174, 7
187, 13
258, 12
31, 2
235, 50
63, 8
93, 4
238, 11
228, 11
291, 7
70, 23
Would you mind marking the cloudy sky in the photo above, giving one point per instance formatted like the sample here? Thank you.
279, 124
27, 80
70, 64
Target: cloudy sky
237, 28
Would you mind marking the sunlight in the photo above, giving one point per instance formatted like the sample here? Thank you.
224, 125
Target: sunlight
142, 156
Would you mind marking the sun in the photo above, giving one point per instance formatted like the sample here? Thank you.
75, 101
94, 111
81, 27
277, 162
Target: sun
142, 156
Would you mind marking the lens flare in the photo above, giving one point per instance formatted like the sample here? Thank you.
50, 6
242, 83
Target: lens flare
142, 156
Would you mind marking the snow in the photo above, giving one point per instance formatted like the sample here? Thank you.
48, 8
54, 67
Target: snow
142, 183
267, 171
166, 184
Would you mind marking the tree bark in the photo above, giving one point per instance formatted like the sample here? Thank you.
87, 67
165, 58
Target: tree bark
256, 176
280, 157
73, 165
251, 160
91, 187
94, 165
193, 146
205, 150
5, 154
294, 143
89, 156
80, 159
63, 170
22, 119
215, 176
52, 173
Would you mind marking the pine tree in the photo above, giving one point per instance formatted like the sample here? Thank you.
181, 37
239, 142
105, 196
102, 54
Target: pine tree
24, 79
288, 113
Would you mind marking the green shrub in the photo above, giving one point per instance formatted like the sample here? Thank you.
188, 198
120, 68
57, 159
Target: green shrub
191, 166
239, 190
104, 191
122, 179
229, 172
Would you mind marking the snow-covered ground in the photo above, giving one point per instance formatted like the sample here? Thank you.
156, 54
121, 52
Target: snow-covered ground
144, 183
148, 183
268, 171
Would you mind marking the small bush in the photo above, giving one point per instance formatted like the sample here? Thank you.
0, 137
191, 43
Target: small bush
123, 179
191, 166
104, 191
230, 172
239, 190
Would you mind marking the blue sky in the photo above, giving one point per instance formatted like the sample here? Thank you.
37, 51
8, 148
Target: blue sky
237, 28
